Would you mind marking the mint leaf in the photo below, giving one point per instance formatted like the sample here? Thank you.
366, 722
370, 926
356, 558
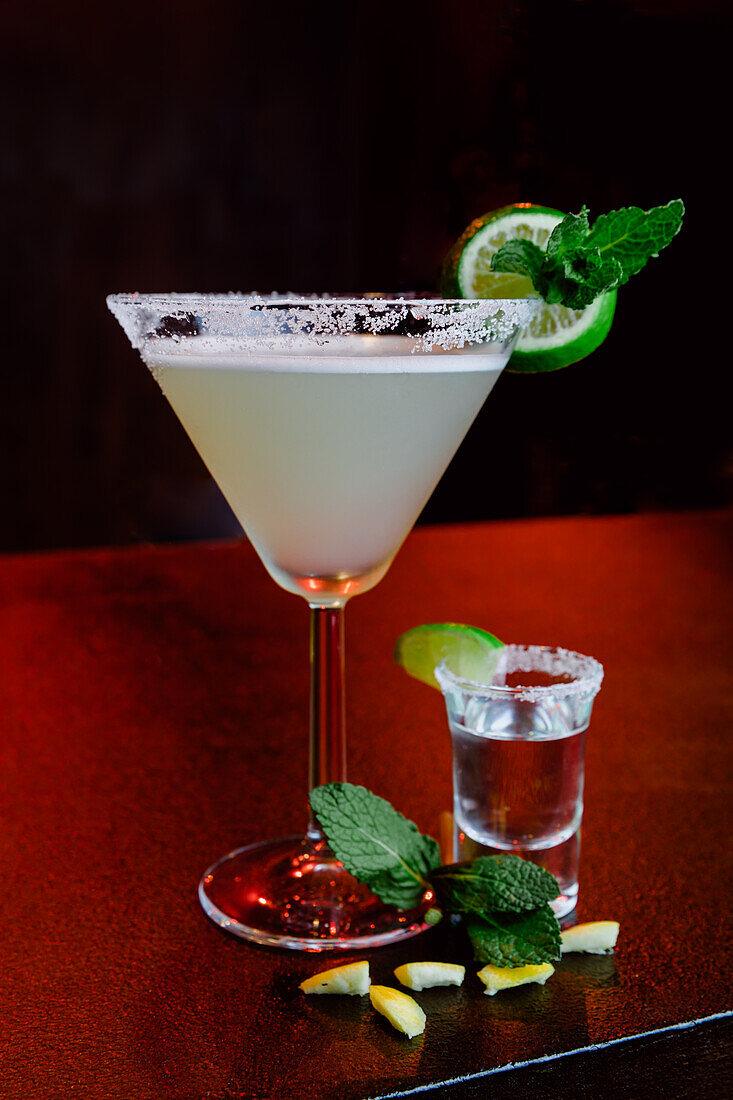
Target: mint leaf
574, 271
525, 939
505, 883
633, 236
581, 262
523, 257
375, 843
579, 276
570, 233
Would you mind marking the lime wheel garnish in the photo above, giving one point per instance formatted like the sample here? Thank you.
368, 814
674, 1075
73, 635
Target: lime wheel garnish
556, 336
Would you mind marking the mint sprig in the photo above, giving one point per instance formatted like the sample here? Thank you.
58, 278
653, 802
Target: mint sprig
581, 262
503, 899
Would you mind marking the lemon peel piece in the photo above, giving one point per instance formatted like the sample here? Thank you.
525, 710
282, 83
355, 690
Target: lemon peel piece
425, 975
401, 1010
597, 937
496, 978
352, 978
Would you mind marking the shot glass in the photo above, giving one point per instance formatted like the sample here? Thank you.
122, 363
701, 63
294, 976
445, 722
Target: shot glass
518, 759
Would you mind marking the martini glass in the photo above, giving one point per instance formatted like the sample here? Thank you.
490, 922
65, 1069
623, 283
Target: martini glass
327, 423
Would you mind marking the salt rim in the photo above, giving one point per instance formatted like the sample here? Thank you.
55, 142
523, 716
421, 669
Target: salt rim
552, 659
253, 322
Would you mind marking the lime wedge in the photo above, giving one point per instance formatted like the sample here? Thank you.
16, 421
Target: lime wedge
556, 336
468, 651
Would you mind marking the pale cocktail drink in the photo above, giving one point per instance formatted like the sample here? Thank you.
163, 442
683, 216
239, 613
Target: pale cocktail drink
326, 459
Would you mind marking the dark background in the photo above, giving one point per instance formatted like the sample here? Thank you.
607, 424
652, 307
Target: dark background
343, 147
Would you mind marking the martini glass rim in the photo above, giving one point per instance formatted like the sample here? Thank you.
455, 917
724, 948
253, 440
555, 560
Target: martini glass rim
275, 300
256, 321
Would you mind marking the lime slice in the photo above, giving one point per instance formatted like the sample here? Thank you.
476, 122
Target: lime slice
556, 336
469, 652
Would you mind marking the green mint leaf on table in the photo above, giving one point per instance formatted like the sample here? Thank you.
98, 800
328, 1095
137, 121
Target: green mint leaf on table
503, 883
581, 262
375, 843
515, 939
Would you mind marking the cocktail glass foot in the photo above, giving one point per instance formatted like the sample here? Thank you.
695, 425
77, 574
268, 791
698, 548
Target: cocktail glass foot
293, 893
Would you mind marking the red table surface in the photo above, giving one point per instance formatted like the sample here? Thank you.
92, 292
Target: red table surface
154, 706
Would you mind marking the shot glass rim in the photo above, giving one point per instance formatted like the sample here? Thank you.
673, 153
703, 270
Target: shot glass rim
587, 682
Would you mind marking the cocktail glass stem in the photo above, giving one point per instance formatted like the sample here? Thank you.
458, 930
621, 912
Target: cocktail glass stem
294, 892
327, 707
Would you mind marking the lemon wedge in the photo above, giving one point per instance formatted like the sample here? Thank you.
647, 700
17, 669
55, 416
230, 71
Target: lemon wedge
596, 938
503, 977
351, 978
402, 1011
425, 975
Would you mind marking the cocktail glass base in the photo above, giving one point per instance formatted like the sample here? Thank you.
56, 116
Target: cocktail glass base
294, 893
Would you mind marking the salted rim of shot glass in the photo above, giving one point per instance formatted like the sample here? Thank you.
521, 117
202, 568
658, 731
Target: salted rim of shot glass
582, 674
